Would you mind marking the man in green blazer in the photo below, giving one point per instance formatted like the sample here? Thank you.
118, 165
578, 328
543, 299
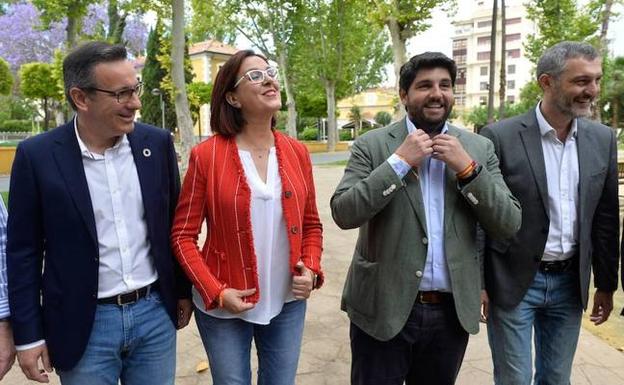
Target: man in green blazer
417, 189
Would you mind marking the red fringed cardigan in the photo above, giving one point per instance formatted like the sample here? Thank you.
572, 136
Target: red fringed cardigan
215, 189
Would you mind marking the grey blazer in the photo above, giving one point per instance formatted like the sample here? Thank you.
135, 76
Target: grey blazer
391, 249
510, 266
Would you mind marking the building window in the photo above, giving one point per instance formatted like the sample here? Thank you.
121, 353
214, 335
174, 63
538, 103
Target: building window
483, 100
511, 69
511, 84
461, 76
512, 37
484, 23
513, 53
460, 100
484, 71
459, 59
483, 40
511, 99
483, 86
459, 44
460, 89
515, 20
483, 55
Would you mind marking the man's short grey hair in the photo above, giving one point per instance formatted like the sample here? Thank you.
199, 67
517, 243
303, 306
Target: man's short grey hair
553, 60
78, 65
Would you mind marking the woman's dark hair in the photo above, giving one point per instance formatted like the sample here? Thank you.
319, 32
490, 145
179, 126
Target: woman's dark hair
225, 119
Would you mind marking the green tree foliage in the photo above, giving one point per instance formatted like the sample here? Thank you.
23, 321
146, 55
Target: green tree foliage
73, 10
477, 118
559, 20
209, 21
153, 75
199, 94
613, 92
404, 20
338, 49
37, 81
6, 78
384, 118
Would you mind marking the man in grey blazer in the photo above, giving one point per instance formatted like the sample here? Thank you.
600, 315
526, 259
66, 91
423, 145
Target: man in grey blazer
416, 189
563, 169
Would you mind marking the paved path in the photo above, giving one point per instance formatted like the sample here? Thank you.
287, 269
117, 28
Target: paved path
329, 157
325, 354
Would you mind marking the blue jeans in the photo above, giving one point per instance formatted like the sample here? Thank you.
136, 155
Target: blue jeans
228, 345
133, 343
552, 307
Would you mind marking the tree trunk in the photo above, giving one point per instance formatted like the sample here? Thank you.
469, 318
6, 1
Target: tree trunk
291, 124
71, 32
615, 119
46, 115
183, 112
490, 115
503, 70
400, 57
332, 132
604, 48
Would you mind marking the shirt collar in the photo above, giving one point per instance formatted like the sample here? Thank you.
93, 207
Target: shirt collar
411, 128
545, 127
84, 150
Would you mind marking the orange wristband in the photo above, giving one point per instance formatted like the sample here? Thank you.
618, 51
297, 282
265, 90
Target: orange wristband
221, 298
467, 171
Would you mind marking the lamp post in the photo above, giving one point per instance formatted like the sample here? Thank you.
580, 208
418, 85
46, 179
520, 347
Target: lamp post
157, 91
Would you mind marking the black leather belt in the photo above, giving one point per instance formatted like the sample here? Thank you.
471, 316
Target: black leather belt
128, 298
557, 266
433, 297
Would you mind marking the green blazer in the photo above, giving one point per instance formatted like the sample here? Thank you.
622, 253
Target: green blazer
389, 257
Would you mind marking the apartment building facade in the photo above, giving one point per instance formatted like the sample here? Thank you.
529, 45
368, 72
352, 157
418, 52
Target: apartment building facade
471, 52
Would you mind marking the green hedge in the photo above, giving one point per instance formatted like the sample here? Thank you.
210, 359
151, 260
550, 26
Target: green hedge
310, 133
15, 125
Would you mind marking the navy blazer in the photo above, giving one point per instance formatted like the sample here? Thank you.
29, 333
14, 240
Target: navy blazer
52, 247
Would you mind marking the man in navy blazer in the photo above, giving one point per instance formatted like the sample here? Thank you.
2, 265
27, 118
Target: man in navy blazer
94, 289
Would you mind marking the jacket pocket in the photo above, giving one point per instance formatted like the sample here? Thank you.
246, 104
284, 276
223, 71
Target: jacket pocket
361, 287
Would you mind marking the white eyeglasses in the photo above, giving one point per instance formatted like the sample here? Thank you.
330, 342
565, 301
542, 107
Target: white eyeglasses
258, 76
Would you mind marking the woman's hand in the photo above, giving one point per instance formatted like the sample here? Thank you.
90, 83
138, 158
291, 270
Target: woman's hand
232, 300
303, 283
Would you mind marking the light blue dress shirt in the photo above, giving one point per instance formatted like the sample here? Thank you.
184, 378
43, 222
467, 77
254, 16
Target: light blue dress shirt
4, 292
431, 176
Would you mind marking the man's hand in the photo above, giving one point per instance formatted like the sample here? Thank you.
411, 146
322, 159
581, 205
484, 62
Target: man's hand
603, 305
485, 306
415, 147
302, 284
185, 309
29, 362
448, 149
233, 300
7, 348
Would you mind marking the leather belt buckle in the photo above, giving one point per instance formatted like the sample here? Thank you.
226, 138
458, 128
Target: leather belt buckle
429, 297
132, 297
556, 266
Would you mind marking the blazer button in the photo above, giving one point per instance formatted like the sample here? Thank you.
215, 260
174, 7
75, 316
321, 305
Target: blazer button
425, 240
419, 273
294, 229
287, 194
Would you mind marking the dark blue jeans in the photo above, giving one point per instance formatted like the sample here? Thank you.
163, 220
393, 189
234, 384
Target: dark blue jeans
428, 351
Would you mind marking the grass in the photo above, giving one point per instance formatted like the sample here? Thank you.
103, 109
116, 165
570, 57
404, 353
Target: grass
5, 197
336, 163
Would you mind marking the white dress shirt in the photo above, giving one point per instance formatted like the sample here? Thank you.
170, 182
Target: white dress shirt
4, 292
431, 176
270, 242
562, 176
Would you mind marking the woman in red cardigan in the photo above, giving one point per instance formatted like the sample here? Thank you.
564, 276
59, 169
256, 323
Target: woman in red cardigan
253, 187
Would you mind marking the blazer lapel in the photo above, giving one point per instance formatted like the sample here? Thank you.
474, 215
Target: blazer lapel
412, 185
145, 160
66, 152
450, 183
532, 141
585, 163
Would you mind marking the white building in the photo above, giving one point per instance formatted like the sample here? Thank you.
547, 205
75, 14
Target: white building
471, 52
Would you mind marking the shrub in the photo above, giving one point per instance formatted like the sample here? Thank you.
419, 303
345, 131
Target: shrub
16, 125
309, 133
384, 118
345, 135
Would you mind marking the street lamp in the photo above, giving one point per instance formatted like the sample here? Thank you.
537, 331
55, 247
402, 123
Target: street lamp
158, 92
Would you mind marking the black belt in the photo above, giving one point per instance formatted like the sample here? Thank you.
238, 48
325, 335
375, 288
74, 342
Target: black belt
128, 298
557, 266
433, 297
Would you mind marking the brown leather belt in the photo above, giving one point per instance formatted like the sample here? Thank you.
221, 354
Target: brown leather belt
557, 266
128, 298
433, 297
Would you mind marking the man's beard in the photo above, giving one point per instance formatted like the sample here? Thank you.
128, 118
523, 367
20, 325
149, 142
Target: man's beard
430, 127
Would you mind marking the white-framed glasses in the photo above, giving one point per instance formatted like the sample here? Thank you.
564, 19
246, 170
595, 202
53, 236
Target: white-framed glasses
258, 76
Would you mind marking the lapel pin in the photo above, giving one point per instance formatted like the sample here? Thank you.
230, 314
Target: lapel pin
147, 152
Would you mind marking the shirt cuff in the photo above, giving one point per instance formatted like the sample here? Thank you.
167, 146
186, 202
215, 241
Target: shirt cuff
400, 167
31, 345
